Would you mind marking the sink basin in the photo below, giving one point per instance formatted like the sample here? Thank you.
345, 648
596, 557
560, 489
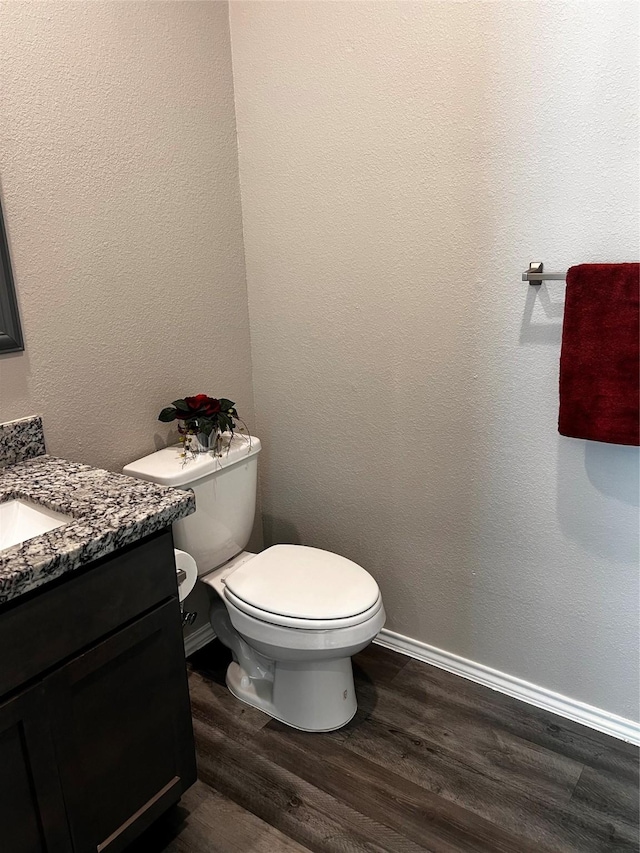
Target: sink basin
21, 520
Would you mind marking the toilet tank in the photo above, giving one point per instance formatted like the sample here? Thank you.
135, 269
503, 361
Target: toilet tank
225, 491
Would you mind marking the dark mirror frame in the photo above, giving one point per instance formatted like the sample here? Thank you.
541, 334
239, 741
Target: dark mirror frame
10, 330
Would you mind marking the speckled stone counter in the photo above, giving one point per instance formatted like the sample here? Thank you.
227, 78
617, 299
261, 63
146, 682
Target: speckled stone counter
20, 440
108, 511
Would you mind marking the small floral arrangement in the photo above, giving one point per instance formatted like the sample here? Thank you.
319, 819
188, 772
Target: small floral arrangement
202, 420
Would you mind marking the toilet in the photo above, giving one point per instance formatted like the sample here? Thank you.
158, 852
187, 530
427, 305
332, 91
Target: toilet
292, 615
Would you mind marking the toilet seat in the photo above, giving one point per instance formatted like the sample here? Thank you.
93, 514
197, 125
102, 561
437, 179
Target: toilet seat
304, 624
302, 587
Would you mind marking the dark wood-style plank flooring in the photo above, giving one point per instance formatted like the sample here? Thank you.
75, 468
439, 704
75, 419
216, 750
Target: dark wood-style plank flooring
431, 762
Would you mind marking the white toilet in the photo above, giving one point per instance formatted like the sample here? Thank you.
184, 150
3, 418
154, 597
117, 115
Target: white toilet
292, 616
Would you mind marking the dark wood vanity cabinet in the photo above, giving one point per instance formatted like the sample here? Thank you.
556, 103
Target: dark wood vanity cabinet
32, 813
98, 743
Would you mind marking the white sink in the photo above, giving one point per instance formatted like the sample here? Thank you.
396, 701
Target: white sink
21, 520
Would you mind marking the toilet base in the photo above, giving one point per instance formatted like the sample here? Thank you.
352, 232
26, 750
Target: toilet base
314, 692
312, 696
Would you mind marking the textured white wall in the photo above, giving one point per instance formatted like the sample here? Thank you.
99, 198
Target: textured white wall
400, 164
119, 179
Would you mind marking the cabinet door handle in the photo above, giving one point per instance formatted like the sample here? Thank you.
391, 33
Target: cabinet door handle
166, 794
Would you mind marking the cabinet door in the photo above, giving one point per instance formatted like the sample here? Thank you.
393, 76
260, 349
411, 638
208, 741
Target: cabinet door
121, 725
32, 815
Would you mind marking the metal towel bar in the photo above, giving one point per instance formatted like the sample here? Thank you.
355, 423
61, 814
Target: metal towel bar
535, 274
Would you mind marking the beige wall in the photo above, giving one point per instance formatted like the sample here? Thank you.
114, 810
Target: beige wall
401, 163
119, 181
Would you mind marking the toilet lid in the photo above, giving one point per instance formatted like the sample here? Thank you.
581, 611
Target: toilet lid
306, 583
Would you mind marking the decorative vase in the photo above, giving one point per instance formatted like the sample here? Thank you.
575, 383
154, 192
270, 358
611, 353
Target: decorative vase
215, 442
193, 441
197, 442
200, 442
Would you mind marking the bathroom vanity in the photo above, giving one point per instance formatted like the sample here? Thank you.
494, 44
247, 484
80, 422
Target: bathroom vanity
95, 724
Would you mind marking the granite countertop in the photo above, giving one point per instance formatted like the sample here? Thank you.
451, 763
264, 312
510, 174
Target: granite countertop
108, 511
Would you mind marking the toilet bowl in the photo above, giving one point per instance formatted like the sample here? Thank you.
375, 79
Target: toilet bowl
295, 666
292, 615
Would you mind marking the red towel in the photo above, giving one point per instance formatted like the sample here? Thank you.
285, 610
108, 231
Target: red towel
599, 363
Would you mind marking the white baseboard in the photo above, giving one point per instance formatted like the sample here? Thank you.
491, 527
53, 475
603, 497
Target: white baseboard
198, 638
579, 712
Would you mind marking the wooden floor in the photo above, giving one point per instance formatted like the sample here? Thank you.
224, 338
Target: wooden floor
431, 762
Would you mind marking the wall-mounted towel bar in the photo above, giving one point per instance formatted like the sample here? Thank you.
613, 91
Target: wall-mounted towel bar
535, 274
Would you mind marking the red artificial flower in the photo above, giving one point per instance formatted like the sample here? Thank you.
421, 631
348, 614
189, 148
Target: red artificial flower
200, 406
